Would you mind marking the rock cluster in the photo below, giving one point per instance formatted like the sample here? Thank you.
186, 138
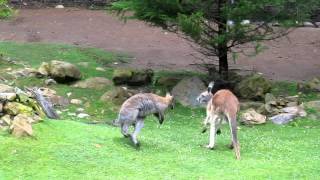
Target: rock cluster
280, 110
18, 111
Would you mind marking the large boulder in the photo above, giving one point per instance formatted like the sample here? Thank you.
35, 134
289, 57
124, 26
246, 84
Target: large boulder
117, 95
6, 89
187, 90
132, 77
60, 71
168, 81
94, 83
251, 117
312, 85
44, 69
253, 87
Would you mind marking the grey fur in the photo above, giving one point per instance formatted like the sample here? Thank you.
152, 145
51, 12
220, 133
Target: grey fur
135, 109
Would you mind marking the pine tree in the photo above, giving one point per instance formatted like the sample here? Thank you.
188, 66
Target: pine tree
219, 27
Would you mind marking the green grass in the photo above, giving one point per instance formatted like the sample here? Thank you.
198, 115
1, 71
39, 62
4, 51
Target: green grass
68, 149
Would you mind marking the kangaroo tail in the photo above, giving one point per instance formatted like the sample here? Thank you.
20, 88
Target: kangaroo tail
235, 143
110, 123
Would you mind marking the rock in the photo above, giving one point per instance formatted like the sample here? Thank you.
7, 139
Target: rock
83, 115
122, 76
315, 105
83, 64
282, 118
8, 96
187, 90
141, 77
14, 108
251, 117
253, 87
6, 119
117, 95
50, 82
64, 72
59, 6
281, 102
44, 69
308, 24
6, 89
312, 85
94, 83
168, 81
292, 104
297, 110
79, 110
59, 100
250, 104
270, 99
132, 77
47, 92
292, 99
21, 127
271, 109
26, 72
100, 69
69, 94
1, 108
72, 114
76, 101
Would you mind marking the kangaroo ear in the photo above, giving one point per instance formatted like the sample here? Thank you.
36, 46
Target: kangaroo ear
210, 86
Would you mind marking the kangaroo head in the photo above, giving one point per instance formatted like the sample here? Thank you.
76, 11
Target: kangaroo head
170, 100
205, 96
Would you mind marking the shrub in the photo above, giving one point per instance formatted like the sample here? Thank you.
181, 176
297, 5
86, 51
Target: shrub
5, 10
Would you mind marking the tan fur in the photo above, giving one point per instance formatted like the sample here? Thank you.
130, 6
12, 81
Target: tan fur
223, 104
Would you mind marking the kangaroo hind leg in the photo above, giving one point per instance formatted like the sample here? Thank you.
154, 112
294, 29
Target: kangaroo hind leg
213, 131
234, 137
138, 126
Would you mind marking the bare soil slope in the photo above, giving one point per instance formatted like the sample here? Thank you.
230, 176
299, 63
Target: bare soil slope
297, 59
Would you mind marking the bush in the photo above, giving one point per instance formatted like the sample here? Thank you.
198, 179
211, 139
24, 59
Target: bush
5, 10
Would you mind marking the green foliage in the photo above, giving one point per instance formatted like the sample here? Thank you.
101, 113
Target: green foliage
191, 25
157, 11
5, 10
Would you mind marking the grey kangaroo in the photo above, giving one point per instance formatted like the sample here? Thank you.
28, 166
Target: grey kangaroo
135, 109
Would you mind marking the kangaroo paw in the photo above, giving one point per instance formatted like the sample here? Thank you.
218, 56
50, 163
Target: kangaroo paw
230, 146
209, 147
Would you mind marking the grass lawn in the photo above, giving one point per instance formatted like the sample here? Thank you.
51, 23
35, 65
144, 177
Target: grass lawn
69, 149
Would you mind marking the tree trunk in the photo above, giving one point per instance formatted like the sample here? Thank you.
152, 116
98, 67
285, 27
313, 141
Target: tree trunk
222, 46
223, 61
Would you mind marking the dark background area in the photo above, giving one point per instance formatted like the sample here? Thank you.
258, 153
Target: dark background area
52, 3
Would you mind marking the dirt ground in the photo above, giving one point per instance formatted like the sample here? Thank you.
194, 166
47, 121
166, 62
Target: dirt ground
293, 59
